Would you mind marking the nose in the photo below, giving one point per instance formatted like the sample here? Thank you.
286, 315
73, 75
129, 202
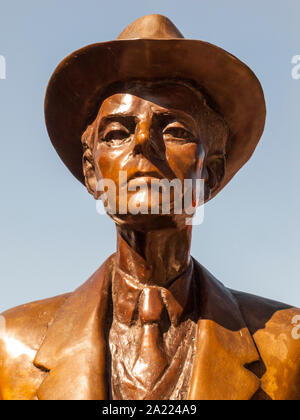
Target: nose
142, 137
143, 134
148, 140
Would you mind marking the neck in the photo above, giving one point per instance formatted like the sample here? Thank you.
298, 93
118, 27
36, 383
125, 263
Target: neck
155, 257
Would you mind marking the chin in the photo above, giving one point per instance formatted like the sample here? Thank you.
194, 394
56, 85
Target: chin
147, 222
144, 220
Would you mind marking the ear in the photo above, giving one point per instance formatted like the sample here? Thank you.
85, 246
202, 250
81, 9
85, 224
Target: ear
89, 172
215, 170
88, 163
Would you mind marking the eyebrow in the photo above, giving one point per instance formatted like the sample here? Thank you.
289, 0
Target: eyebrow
178, 115
128, 120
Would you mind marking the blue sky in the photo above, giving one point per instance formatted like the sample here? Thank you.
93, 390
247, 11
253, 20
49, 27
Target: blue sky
52, 238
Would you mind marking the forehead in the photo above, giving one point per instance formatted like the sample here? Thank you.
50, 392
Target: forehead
162, 98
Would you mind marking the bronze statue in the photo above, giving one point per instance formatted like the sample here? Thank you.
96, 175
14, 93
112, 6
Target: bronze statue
152, 323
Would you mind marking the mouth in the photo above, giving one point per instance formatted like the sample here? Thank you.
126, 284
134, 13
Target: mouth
143, 177
148, 174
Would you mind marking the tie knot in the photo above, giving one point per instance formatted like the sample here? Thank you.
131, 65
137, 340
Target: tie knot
151, 305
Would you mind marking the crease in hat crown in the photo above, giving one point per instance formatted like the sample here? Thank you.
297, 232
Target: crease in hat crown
152, 27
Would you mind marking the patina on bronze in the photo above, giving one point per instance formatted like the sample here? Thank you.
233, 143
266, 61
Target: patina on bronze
152, 323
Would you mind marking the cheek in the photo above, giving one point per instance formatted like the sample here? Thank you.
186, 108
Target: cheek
186, 160
109, 161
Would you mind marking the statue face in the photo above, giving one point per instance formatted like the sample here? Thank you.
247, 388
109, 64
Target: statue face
151, 134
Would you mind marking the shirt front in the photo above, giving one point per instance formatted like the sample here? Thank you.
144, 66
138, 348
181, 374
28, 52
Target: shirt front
152, 338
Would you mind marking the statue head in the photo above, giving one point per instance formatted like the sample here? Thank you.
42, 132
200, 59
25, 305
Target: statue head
156, 106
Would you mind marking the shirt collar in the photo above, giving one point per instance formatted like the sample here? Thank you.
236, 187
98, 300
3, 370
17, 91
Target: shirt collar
127, 289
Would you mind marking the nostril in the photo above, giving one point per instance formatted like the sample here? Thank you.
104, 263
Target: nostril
137, 149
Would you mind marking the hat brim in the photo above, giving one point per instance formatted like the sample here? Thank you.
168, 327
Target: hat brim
75, 87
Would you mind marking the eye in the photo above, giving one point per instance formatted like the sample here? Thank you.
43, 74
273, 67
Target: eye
115, 134
177, 132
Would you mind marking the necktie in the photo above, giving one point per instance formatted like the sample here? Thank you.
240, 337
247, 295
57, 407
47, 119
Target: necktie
151, 361
149, 344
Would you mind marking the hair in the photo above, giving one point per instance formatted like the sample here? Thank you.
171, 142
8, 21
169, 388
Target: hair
213, 128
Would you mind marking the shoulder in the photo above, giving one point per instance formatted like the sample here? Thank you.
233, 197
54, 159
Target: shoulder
258, 311
26, 325
31, 319
275, 328
36, 316
22, 330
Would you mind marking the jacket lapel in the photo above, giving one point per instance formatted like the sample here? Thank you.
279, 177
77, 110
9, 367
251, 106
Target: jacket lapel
224, 346
73, 350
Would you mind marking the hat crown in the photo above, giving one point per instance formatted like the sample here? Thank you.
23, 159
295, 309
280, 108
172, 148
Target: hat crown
151, 26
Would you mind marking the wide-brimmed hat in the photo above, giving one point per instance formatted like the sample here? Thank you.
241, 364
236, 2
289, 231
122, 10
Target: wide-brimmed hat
153, 48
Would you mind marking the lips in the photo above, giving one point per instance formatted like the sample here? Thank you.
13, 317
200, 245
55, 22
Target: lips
138, 176
142, 178
146, 174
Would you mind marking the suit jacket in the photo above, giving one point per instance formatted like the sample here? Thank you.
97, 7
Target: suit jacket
56, 349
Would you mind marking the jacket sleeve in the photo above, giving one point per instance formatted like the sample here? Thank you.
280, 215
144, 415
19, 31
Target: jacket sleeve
2, 352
